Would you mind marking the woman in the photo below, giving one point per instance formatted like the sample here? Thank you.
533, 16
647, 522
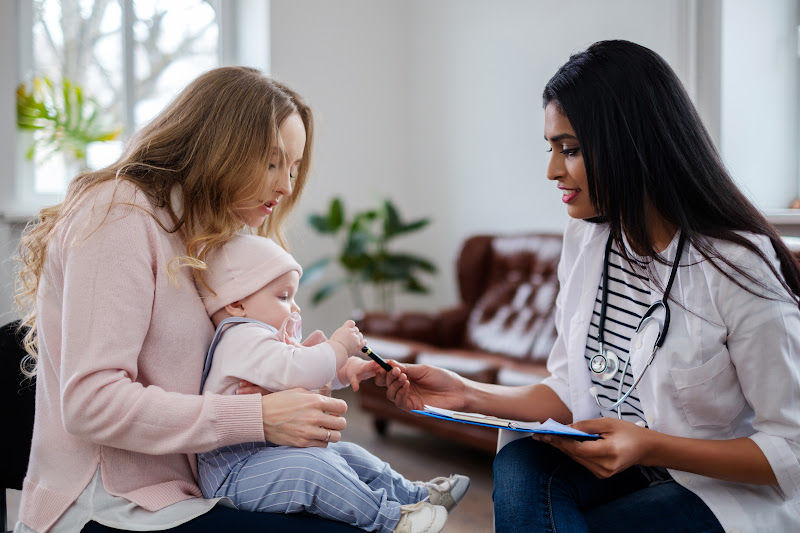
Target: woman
701, 427
118, 332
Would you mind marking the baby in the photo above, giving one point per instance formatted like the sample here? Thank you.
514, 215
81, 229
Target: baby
254, 282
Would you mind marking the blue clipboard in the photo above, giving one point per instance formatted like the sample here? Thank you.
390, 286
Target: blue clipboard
571, 433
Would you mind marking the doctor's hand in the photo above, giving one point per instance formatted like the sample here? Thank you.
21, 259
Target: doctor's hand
623, 444
413, 386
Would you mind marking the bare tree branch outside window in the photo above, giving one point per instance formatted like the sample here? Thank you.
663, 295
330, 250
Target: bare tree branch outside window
83, 42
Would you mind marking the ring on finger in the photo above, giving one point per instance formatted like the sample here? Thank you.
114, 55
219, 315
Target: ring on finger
328, 436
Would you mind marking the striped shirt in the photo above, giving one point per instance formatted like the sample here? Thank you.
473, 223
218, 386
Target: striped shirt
628, 299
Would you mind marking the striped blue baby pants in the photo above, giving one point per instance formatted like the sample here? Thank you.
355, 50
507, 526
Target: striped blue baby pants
342, 482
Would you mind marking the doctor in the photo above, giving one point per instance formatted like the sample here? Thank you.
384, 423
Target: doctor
678, 327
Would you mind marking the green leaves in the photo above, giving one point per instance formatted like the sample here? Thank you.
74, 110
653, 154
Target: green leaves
63, 118
364, 257
332, 221
394, 226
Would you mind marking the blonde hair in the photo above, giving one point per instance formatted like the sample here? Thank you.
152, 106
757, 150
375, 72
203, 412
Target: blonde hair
211, 140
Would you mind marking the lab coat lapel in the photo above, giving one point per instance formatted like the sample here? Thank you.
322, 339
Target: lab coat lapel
584, 291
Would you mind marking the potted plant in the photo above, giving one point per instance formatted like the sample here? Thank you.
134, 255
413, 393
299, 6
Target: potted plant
63, 120
365, 257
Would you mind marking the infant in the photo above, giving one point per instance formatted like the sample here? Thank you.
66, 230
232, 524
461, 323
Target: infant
252, 283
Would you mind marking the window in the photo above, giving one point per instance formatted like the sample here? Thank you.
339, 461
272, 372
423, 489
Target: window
130, 56
759, 71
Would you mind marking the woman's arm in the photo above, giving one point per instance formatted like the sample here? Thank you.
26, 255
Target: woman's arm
529, 403
109, 260
414, 386
625, 444
732, 460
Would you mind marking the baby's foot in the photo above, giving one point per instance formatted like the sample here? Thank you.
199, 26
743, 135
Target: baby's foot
421, 517
446, 491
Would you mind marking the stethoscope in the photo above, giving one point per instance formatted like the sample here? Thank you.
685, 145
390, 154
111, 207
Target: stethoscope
605, 363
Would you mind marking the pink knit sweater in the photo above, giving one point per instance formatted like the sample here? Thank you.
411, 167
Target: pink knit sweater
121, 352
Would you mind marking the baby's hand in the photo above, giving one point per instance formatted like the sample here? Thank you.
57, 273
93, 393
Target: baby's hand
349, 337
356, 370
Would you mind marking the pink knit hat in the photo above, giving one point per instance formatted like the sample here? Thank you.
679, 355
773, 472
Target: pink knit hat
242, 266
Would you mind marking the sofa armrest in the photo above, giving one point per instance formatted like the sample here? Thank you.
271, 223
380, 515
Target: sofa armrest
445, 328
452, 326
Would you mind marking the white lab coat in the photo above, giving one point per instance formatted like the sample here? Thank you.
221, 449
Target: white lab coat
729, 368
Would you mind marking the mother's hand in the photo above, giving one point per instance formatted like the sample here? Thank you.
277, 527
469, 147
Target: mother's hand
296, 417
413, 386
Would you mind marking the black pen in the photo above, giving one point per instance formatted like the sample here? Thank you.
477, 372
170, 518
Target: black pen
377, 358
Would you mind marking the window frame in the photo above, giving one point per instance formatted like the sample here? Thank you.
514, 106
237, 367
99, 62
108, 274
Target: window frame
243, 25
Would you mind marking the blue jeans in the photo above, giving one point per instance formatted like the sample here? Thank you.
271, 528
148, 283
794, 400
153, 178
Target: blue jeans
538, 488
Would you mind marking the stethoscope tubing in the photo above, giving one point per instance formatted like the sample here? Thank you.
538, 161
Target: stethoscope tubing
648, 315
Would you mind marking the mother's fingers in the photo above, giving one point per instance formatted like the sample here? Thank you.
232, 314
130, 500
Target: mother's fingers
332, 422
335, 436
332, 405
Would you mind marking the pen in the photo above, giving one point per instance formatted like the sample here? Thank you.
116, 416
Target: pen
377, 358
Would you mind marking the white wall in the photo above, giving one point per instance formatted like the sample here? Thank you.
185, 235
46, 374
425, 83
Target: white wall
434, 104
438, 106
759, 111
9, 234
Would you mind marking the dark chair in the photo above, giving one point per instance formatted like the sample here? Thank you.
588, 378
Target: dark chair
18, 397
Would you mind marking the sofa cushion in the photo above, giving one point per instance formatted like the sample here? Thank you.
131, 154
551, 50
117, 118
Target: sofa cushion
514, 316
514, 377
388, 349
468, 366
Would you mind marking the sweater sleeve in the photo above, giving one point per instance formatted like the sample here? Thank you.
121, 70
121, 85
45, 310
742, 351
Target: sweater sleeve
108, 258
253, 353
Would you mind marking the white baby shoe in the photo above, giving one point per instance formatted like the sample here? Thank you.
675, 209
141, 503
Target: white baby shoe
421, 517
446, 491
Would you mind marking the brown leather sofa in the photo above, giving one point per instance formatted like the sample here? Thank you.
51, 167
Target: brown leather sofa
501, 332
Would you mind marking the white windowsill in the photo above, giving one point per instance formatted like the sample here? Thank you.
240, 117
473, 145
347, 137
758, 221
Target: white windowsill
20, 214
782, 216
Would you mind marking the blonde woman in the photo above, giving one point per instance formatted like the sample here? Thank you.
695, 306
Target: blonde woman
118, 332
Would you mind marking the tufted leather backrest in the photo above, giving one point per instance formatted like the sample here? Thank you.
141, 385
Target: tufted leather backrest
510, 283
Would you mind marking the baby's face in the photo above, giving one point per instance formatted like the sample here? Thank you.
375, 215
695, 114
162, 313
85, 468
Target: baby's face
275, 301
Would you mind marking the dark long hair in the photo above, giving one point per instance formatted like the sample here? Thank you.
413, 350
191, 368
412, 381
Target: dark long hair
644, 146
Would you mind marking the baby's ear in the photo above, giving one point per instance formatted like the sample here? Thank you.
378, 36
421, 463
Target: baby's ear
236, 309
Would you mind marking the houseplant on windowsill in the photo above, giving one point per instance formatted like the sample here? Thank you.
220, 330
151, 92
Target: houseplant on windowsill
364, 256
62, 120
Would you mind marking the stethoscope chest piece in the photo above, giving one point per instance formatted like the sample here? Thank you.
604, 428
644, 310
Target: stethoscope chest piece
604, 365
